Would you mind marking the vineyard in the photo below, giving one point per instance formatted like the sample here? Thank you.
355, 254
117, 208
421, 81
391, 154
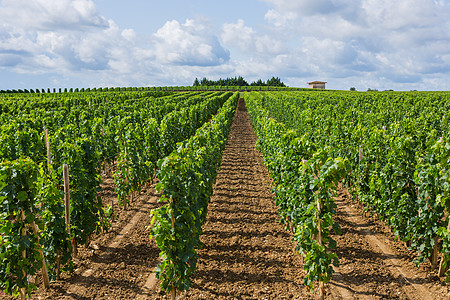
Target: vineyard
157, 193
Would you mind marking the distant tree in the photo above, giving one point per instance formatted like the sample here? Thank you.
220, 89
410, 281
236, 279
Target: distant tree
196, 82
71, 90
48, 90
65, 90
241, 81
236, 81
275, 81
43, 91
54, 90
204, 82
32, 91
259, 82
352, 89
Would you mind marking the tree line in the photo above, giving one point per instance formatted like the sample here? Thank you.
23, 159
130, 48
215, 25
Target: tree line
238, 81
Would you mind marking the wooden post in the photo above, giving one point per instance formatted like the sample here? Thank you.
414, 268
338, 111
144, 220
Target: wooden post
47, 143
173, 292
67, 206
44, 265
434, 256
319, 241
23, 291
58, 263
126, 198
442, 270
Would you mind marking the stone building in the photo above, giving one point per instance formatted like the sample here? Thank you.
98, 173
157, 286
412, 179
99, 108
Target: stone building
317, 84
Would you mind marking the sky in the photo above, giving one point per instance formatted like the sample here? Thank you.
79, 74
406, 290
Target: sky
376, 44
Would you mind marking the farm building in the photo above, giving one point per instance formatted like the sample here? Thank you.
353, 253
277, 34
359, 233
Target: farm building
317, 84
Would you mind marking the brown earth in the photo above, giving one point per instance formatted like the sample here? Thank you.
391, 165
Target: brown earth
375, 265
247, 254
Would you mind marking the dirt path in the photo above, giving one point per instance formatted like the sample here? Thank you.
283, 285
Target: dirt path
247, 254
375, 266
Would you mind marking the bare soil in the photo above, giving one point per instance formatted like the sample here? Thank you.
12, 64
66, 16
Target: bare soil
374, 264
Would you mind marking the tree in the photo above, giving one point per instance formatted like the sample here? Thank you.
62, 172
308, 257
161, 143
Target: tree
275, 81
259, 82
352, 89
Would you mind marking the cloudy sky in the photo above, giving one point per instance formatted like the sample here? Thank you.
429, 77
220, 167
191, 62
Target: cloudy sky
378, 44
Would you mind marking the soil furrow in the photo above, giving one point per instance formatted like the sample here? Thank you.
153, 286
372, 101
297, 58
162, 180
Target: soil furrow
375, 266
247, 254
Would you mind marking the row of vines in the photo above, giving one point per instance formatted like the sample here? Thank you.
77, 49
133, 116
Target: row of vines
390, 149
89, 133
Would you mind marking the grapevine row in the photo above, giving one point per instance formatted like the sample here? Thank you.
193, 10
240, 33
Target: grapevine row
186, 182
135, 136
395, 147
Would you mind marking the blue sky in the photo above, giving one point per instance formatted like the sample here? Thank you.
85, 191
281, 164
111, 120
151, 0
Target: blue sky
378, 44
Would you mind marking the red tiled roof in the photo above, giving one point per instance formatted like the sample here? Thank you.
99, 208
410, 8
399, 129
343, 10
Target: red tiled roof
316, 82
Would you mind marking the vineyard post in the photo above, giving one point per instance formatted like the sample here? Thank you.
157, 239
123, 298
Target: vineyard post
47, 143
173, 292
360, 157
44, 265
319, 241
434, 256
126, 198
49, 161
442, 270
23, 291
67, 205
104, 159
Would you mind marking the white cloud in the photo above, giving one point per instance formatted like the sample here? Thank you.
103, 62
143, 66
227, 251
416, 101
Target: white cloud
304, 7
71, 41
49, 14
64, 37
400, 41
190, 43
280, 19
246, 40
